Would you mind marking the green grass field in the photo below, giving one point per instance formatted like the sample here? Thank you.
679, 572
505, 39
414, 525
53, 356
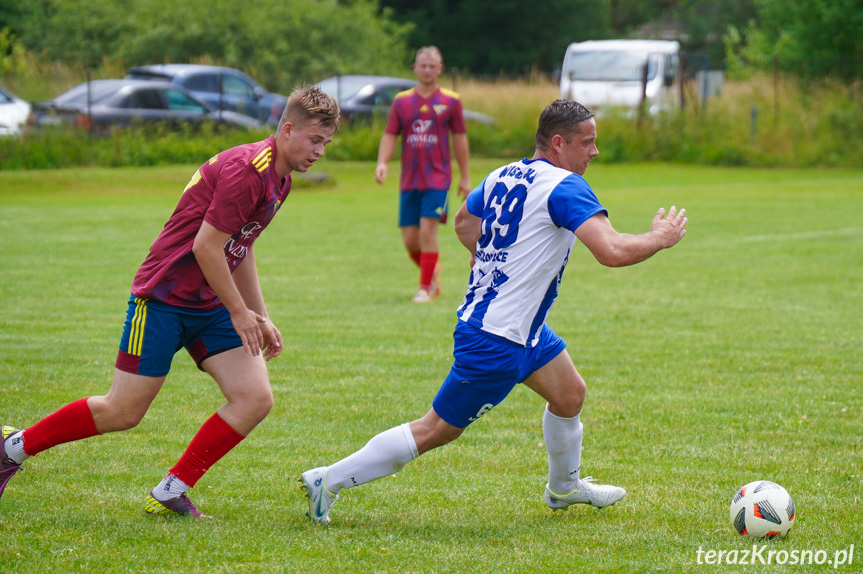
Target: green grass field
733, 357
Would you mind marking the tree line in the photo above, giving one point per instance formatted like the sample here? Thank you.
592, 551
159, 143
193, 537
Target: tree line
286, 40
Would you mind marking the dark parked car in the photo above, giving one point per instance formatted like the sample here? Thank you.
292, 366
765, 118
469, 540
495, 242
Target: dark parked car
222, 88
101, 104
362, 98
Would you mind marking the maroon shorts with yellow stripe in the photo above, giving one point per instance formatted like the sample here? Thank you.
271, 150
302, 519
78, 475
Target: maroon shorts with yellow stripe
155, 331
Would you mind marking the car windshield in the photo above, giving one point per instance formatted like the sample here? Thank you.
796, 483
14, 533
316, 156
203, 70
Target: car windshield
343, 87
615, 66
203, 83
144, 100
179, 101
77, 96
237, 87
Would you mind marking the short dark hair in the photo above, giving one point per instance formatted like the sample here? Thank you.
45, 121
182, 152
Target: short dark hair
308, 104
561, 117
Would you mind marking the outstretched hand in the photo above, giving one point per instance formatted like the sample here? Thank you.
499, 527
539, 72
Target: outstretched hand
670, 229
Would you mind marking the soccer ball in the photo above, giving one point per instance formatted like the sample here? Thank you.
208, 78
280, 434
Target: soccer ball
762, 509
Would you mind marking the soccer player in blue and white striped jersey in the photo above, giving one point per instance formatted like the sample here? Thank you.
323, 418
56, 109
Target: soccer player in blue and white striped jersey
520, 226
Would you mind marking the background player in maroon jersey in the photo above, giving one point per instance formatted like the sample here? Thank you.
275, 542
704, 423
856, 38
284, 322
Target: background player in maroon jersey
425, 116
198, 288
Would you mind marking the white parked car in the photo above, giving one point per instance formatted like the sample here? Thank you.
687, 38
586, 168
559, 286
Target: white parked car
605, 74
13, 113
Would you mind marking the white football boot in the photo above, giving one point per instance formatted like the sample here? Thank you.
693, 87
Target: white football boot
586, 492
320, 499
422, 296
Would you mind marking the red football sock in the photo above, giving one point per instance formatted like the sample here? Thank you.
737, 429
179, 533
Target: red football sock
415, 257
427, 265
72, 422
213, 441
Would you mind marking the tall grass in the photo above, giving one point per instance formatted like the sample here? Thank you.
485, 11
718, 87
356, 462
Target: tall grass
762, 121
35, 79
515, 105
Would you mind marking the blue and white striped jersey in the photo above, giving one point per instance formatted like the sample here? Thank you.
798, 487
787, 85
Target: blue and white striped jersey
530, 210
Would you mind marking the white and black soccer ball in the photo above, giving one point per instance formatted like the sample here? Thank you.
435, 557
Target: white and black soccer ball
762, 509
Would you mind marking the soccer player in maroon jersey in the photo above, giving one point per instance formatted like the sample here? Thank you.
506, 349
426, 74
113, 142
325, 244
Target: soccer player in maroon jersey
198, 288
424, 116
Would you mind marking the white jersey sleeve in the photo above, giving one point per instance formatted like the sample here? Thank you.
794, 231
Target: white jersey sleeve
530, 210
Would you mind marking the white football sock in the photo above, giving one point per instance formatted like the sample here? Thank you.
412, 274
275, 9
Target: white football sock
14, 446
563, 442
170, 487
385, 454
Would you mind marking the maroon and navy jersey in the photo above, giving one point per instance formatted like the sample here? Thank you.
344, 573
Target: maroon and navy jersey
425, 124
236, 191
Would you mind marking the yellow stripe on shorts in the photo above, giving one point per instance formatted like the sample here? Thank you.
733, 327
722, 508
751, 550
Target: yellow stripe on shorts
139, 321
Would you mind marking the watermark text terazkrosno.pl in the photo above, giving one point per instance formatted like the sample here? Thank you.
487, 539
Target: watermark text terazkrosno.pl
765, 554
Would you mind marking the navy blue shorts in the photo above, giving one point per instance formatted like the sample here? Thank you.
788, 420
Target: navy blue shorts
155, 331
486, 369
415, 203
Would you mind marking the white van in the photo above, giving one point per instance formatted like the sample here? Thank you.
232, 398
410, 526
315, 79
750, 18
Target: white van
610, 73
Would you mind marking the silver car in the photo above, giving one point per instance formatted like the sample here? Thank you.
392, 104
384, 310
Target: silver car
103, 104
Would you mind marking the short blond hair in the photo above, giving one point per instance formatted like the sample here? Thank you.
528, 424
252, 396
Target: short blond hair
431, 50
308, 104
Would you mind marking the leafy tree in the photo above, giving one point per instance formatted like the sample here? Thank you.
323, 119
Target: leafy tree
280, 42
700, 23
502, 36
706, 21
627, 15
11, 15
84, 31
814, 38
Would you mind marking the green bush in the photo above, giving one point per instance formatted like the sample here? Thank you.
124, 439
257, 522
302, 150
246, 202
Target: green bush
279, 42
141, 146
796, 125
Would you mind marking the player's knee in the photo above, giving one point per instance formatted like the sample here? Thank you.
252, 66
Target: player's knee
112, 416
258, 405
130, 421
428, 235
568, 405
455, 434
565, 410
431, 436
120, 420
265, 406
444, 435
